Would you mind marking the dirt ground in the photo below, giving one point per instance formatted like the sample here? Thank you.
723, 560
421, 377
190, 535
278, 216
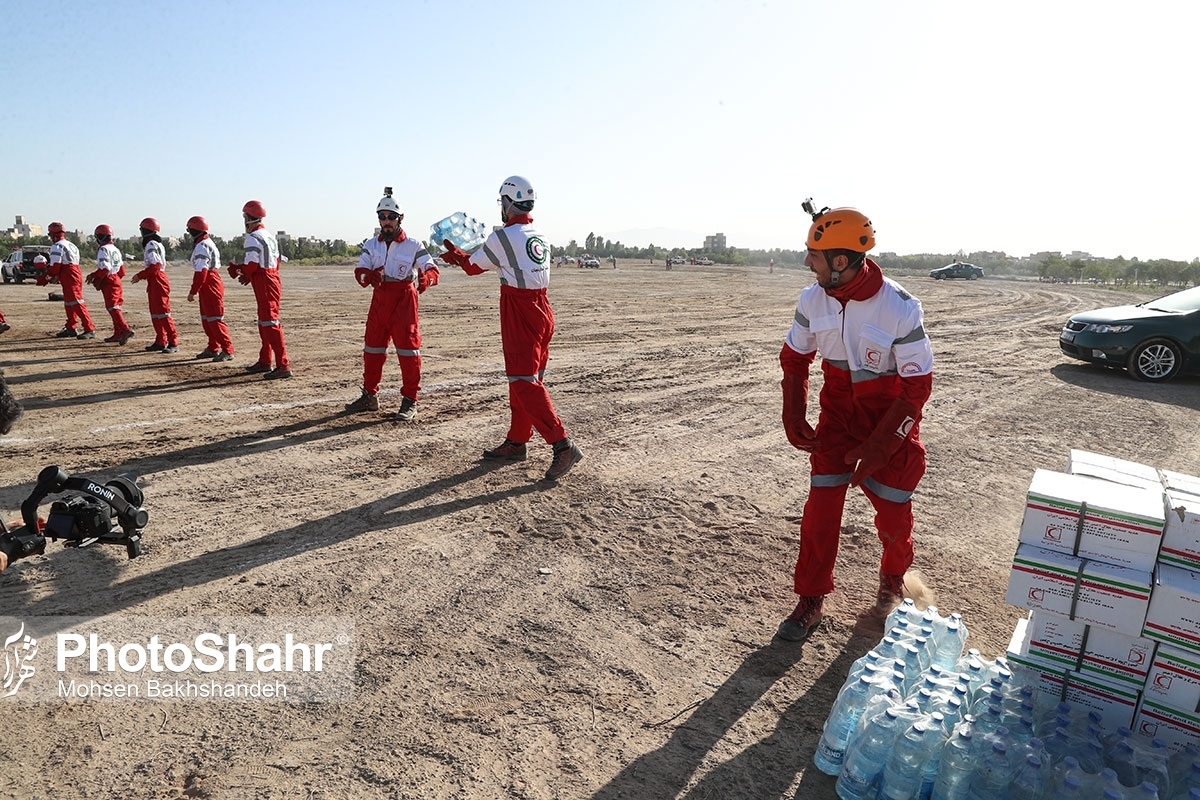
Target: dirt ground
606, 637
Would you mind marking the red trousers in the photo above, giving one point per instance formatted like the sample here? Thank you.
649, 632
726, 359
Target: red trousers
212, 313
70, 277
526, 328
845, 422
267, 293
393, 317
158, 293
114, 301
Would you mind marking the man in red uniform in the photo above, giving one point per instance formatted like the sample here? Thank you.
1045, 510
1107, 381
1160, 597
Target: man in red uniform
207, 283
110, 268
522, 258
158, 288
64, 270
878, 372
260, 269
399, 269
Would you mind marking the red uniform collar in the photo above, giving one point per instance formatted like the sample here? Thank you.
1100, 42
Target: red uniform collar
519, 219
862, 286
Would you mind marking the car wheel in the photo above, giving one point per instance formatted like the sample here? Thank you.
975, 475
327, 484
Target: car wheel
1155, 360
972, 277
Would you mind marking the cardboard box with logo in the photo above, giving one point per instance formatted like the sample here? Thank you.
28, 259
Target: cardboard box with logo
1054, 642
1081, 590
1115, 704
1115, 470
1094, 519
1174, 613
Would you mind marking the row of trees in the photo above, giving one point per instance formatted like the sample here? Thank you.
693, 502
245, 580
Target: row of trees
1050, 267
1055, 268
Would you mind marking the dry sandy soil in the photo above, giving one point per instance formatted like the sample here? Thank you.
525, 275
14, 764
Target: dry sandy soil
606, 637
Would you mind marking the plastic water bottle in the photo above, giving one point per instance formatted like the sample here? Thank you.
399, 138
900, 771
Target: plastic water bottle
1067, 768
975, 671
1046, 721
1106, 781
1031, 779
865, 759
955, 767
988, 721
1059, 745
1090, 753
840, 724
992, 775
950, 643
907, 610
1071, 789
1122, 759
463, 231
1180, 764
1146, 791
1152, 766
906, 766
1184, 782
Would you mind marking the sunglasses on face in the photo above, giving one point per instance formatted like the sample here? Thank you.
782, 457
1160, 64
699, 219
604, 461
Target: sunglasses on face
389, 215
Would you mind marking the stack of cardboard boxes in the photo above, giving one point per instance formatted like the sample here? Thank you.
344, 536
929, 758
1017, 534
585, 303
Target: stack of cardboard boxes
1108, 563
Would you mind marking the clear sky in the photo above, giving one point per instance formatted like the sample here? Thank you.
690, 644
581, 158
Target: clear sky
1017, 126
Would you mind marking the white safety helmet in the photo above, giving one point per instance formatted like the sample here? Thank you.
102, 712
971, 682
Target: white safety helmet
388, 203
519, 191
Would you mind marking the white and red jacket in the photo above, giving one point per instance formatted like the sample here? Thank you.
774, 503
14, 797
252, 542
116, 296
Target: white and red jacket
261, 248
110, 265
399, 258
519, 253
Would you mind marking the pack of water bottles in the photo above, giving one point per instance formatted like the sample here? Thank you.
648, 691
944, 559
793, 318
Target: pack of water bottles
466, 233
920, 717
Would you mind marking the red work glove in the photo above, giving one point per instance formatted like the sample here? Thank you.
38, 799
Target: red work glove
456, 256
42, 280
368, 277
795, 411
91, 278
235, 270
136, 278
426, 279
889, 435
243, 279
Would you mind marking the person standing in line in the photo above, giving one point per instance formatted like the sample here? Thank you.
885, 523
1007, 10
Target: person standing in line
158, 288
877, 365
399, 269
521, 256
64, 270
207, 284
260, 269
110, 269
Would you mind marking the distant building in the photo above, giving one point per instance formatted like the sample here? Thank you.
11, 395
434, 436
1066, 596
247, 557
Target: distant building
283, 237
715, 242
24, 229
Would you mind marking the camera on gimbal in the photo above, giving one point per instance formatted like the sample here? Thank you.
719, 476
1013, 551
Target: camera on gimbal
108, 513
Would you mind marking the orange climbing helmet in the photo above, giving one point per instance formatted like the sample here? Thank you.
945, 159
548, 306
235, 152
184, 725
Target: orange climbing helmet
840, 229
